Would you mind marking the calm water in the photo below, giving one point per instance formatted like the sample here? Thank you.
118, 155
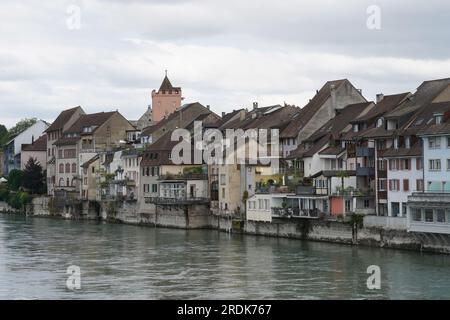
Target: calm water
128, 262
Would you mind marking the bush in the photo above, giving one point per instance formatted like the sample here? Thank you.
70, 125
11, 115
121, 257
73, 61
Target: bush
4, 194
15, 179
18, 200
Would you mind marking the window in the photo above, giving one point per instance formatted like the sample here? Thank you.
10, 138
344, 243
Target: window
419, 185
406, 165
448, 164
448, 142
260, 204
434, 143
419, 164
67, 168
146, 188
382, 165
382, 184
394, 185
348, 204
60, 154
49, 152
416, 214
404, 208
366, 204
429, 215
154, 188
440, 215
93, 169
223, 192
266, 204
222, 179
394, 164
405, 185
435, 165
61, 168
85, 181
74, 168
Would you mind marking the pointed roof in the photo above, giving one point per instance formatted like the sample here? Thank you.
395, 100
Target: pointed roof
61, 120
166, 86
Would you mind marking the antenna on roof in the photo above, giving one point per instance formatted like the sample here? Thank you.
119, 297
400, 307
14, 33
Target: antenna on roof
166, 72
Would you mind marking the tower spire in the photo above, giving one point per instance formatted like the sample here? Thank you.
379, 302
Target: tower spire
166, 72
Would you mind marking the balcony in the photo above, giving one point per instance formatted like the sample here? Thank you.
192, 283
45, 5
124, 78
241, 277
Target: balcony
176, 201
274, 189
296, 213
365, 172
185, 176
305, 190
365, 152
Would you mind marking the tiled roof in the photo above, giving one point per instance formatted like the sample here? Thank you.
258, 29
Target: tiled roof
389, 103
88, 120
38, 145
414, 151
330, 130
62, 119
311, 109
424, 95
166, 86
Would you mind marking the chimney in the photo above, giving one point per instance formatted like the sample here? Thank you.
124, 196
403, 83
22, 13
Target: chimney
333, 106
360, 91
208, 107
380, 97
242, 115
223, 114
255, 105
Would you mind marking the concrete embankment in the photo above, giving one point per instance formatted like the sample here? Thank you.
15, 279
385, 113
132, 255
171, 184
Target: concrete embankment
375, 232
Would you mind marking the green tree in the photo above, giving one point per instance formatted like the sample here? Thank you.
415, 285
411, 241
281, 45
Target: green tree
343, 175
15, 179
3, 135
33, 177
22, 125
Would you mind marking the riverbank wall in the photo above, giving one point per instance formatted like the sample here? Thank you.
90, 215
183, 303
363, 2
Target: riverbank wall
374, 232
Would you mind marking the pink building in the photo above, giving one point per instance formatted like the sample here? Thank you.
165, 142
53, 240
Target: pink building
37, 150
166, 100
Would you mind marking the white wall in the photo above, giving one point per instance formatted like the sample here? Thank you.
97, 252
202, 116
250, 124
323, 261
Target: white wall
26, 137
402, 196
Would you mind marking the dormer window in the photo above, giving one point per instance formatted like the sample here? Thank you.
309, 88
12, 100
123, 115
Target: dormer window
438, 118
396, 143
87, 129
407, 142
380, 122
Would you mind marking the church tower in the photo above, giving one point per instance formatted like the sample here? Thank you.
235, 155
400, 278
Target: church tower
166, 100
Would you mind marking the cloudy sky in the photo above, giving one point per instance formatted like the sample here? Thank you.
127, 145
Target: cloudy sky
222, 53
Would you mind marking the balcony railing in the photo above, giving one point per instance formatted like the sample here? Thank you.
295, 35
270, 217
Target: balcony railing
354, 192
178, 201
185, 176
365, 152
365, 171
296, 213
274, 189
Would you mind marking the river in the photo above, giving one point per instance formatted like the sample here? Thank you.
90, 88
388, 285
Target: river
132, 262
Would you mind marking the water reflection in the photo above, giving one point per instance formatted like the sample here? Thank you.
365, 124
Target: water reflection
130, 262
